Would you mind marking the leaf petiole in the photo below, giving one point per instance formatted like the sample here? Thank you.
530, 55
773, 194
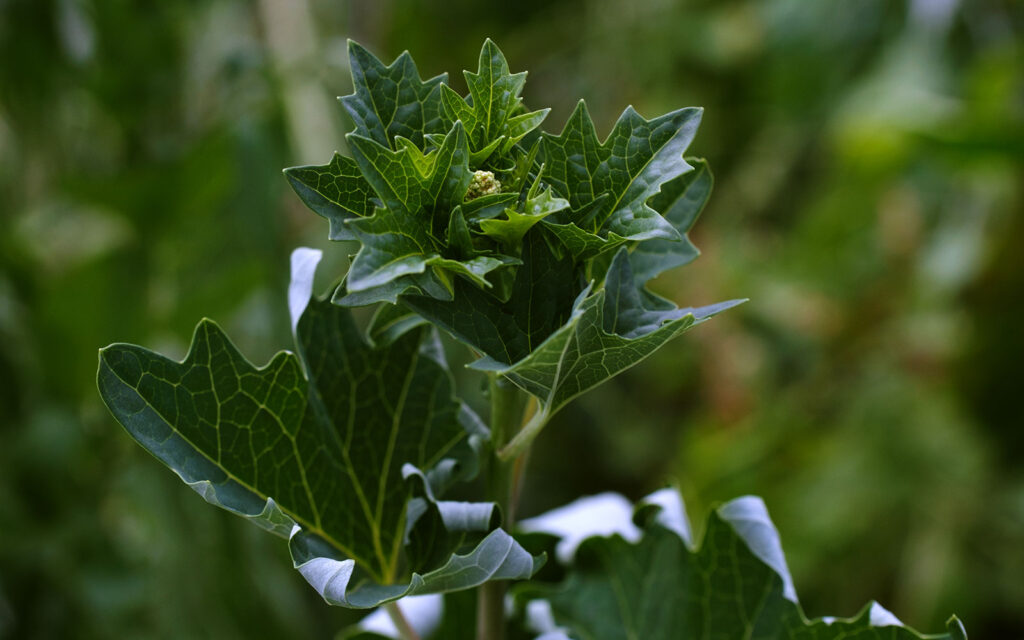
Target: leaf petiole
405, 629
522, 440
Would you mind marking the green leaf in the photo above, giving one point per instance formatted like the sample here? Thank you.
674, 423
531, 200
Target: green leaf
656, 587
607, 332
583, 245
521, 125
492, 111
510, 230
419, 192
336, 191
489, 206
323, 448
540, 302
680, 201
410, 182
392, 100
495, 92
630, 165
456, 108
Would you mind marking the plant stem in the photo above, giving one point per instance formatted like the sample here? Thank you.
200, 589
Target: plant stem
522, 440
398, 618
507, 405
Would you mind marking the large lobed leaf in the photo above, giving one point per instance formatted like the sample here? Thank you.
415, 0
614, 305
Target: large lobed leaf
325, 448
650, 582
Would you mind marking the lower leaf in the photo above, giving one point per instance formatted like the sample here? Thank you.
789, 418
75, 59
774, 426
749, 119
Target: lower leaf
651, 582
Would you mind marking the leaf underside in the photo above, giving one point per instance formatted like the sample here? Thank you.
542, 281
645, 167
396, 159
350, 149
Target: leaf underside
658, 588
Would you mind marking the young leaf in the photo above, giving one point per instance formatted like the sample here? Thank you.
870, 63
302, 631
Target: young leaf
630, 165
492, 112
391, 100
323, 447
583, 245
510, 231
419, 193
657, 587
494, 90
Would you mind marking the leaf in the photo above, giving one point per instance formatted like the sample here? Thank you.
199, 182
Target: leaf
336, 191
657, 587
607, 332
539, 303
489, 206
409, 182
583, 245
510, 230
392, 100
456, 108
492, 112
630, 165
324, 448
419, 192
521, 125
680, 201
494, 90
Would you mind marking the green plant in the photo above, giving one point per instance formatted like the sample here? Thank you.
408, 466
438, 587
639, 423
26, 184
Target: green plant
532, 249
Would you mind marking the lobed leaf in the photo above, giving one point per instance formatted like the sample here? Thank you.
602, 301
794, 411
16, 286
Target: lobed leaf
607, 332
492, 113
629, 166
336, 191
680, 201
392, 100
324, 447
655, 585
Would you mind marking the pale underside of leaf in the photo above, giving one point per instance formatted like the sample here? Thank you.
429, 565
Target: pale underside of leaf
655, 585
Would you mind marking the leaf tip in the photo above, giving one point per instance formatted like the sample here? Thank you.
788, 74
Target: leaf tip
956, 628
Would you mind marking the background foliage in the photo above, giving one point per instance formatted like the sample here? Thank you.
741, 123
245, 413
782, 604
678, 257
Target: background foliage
870, 186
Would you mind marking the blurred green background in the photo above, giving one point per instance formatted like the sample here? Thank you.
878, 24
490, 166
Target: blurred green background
869, 158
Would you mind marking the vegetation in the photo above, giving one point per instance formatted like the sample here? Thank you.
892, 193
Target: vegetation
535, 251
867, 167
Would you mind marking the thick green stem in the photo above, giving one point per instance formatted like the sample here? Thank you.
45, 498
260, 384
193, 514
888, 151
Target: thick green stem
507, 405
405, 629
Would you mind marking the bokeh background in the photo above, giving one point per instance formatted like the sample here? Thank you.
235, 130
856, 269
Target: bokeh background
869, 158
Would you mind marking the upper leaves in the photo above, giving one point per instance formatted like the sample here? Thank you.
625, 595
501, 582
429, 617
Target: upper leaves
532, 248
332, 448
